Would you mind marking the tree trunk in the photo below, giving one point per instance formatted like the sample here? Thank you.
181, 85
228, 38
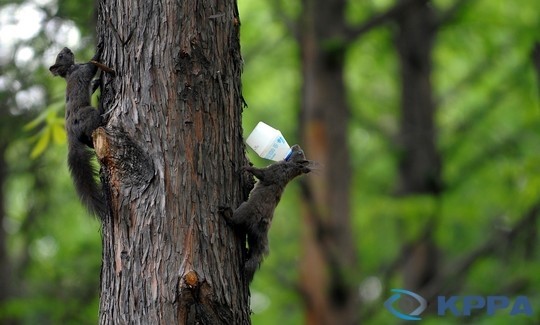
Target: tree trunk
329, 256
420, 163
6, 275
171, 154
420, 166
535, 56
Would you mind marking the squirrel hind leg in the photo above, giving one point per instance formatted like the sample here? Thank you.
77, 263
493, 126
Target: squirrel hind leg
89, 120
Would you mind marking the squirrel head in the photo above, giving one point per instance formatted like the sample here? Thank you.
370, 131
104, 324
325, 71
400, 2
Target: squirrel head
297, 154
64, 60
298, 157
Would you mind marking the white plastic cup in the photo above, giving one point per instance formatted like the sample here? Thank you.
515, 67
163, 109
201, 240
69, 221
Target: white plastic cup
268, 142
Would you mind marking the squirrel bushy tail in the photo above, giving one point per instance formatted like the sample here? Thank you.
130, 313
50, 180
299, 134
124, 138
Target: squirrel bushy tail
258, 249
83, 174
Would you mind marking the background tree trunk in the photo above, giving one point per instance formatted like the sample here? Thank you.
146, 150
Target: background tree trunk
329, 252
6, 279
172, 153
419, 160
420, 165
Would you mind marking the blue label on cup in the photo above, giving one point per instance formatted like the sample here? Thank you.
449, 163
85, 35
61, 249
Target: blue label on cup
271, 154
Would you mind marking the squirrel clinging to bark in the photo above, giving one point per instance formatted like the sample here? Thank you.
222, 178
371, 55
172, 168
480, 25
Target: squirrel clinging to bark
255, 215
81, 120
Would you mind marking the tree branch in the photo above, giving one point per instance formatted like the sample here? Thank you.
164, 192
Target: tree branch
456, 271
474, 75
487, 156
290, 23
378, 19
535, 56
451, 13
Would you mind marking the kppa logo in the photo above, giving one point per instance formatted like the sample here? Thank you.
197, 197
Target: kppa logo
491, 304
413, 315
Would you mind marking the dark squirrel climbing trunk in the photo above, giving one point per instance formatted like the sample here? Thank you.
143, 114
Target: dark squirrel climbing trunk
254, 216
171, 154
81, 121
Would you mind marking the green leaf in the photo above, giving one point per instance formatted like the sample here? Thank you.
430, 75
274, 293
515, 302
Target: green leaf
41, 145
58, 133
35, 122
44, 116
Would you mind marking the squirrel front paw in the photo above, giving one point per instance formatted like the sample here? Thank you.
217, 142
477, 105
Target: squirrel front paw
226, 212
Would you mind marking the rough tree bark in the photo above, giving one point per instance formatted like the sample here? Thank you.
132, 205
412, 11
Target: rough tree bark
172, 152
329, 253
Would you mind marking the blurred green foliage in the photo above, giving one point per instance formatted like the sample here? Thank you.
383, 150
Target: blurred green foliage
488, 117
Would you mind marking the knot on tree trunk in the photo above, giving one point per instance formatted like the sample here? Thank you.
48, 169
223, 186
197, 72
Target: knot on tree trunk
123, 158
